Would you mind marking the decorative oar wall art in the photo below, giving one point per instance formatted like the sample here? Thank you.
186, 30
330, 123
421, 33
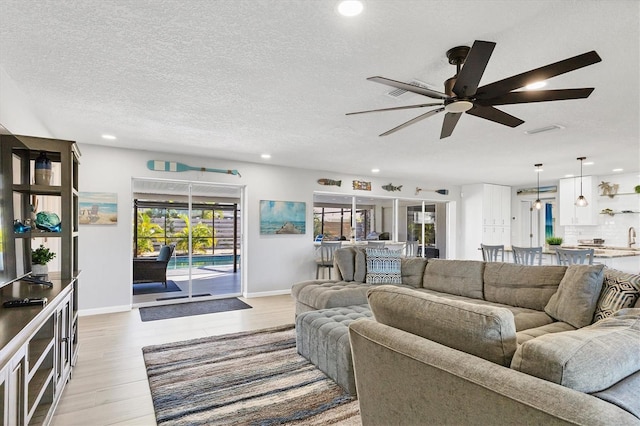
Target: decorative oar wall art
172, 166
439, 191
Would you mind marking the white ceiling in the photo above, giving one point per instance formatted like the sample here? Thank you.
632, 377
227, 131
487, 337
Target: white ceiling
232, 79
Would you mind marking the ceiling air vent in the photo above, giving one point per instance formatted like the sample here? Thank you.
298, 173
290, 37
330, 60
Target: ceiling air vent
396, 93
544, 129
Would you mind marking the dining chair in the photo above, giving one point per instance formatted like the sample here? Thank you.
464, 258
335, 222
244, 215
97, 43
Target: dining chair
527, 255
574, 256
491, 253
411, 249
375, 244
327, 250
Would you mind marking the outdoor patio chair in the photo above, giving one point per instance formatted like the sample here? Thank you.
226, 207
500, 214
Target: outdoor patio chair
150, 270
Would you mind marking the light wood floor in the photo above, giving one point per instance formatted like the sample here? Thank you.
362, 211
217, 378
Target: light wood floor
109, 384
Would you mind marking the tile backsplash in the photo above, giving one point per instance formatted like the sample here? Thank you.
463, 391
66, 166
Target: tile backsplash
614, 230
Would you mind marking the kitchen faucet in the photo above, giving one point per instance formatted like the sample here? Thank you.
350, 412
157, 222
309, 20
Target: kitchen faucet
632, 236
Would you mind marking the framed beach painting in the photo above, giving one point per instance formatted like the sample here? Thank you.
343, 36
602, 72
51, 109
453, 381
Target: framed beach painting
98, 208
282, 217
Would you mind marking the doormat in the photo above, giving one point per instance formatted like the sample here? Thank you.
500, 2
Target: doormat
157, 287
255, 378
154, 313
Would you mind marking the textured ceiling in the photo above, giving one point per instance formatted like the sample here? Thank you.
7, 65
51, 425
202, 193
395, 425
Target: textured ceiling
233, 79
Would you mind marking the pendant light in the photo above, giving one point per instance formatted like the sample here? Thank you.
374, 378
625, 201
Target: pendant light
581, 201
538, 204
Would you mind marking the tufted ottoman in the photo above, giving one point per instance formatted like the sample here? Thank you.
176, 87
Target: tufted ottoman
322, 337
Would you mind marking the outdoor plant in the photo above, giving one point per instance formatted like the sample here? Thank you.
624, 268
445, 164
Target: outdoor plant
148, 232
202, 237
42, 255
554, 241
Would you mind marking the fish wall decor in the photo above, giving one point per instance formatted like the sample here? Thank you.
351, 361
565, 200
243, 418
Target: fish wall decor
330, 182
392, 188
362, 185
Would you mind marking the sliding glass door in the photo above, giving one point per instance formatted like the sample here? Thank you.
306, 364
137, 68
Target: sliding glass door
201, 223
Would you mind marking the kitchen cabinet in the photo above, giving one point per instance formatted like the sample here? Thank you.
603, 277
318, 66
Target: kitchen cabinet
569, 190
486, 217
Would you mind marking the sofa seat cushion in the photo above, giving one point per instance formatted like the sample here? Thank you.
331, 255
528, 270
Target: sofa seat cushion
524, 318
577, 295
624, 394
589, 359
523, 286
532, 333
485, 331
458, 277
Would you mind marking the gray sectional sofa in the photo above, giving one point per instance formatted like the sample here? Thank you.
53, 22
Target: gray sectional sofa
469, 342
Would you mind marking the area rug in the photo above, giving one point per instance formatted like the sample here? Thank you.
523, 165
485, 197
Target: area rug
150, 288
243, 378
154, 313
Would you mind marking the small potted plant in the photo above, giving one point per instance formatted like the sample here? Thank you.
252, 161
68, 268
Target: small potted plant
554, 241
39, 259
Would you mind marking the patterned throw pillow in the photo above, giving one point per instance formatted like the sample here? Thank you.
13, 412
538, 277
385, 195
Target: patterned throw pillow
383, 266
619, 290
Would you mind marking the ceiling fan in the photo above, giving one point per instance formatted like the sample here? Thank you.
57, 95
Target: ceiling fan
462, 93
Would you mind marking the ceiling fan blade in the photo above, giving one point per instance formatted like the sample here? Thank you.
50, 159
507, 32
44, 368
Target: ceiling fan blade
494, 114
473, 68
409, 87
450, 121
412, 121
537, 96
394, 109
500, 87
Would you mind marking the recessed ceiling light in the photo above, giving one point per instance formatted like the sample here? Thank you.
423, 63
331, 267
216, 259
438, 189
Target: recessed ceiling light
109, 137
589, 163
266, 156
568, 175
536, 85
375, 170
617, 170
350, 7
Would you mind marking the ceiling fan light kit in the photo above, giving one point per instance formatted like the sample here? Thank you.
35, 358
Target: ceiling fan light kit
581, 201
462, 94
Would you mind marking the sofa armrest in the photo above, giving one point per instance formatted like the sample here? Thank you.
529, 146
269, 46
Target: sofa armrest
405, 379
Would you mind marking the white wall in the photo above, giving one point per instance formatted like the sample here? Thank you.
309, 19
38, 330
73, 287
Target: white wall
275, 262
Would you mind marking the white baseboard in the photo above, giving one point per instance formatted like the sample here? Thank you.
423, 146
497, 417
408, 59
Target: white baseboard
106, 310
266, 293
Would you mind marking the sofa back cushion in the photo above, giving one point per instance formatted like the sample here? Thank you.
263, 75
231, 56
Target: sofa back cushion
459, 277
577, 295
351, 264
344, 262
412, 269
488, 332
524, 286
589, 359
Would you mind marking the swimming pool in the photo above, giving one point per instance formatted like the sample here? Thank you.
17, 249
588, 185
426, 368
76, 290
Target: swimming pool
182, 262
